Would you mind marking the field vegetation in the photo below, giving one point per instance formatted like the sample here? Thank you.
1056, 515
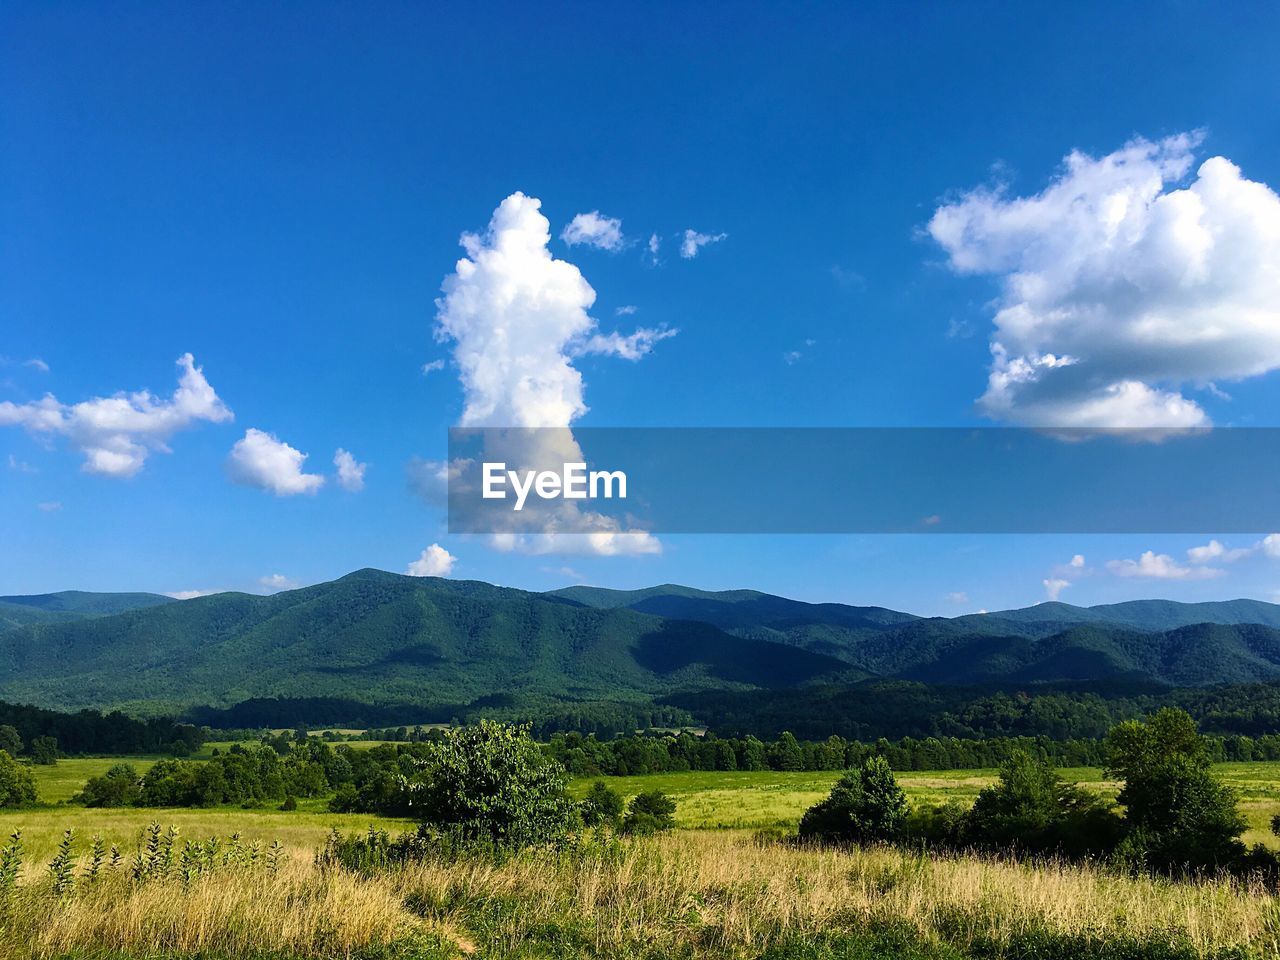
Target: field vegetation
494, 863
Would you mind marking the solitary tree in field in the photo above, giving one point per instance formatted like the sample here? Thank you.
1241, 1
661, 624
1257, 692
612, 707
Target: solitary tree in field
866, 805
491, 781
1178, 814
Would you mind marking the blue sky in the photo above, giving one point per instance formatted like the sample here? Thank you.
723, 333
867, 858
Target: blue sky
280, 193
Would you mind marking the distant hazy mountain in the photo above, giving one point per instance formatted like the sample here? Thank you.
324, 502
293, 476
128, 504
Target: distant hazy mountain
19, 611
388, 640
93, 604
1150, 614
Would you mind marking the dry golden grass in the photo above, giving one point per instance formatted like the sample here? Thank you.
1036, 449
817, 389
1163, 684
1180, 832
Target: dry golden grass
690, 893
739, 894
233, 913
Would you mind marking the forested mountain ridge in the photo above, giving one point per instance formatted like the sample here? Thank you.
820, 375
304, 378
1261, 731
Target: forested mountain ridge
377, 637
441, 645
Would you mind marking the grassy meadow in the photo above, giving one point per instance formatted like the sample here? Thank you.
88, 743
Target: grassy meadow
754, 800
691, 894
711, 889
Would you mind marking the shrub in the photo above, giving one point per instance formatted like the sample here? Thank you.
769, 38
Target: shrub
649, 812
44, 751
491, 782
17, 783
866, 805
602, 806
1032, 810
118, 787
942, 825
290, 803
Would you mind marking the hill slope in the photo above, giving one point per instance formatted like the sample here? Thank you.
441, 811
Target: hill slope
381, 638
393, 641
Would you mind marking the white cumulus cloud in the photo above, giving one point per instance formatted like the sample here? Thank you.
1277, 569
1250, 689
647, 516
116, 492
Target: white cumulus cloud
1160, 566
1127, 280
595, 230
116, 434
597, 543
694, 241
350, 471
435, 561
261, 460
1214, 550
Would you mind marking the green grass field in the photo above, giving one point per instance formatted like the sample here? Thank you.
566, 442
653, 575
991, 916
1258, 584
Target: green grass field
737, 800
705, 800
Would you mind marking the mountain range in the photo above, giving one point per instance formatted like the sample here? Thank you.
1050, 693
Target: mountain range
443, 646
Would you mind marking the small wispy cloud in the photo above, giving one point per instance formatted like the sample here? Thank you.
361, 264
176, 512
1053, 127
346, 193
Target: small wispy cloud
350, 471
694, 241
191, 594
1053, 587
277, 582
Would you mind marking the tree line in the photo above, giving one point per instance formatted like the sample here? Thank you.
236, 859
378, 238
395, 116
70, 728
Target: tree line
893, 709
92, 732
676, 752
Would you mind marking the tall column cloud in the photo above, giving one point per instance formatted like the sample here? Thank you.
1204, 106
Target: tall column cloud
518, 318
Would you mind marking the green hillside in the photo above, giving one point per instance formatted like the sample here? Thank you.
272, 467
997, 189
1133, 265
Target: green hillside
436, 648
376, 637
828, 629
17, 615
